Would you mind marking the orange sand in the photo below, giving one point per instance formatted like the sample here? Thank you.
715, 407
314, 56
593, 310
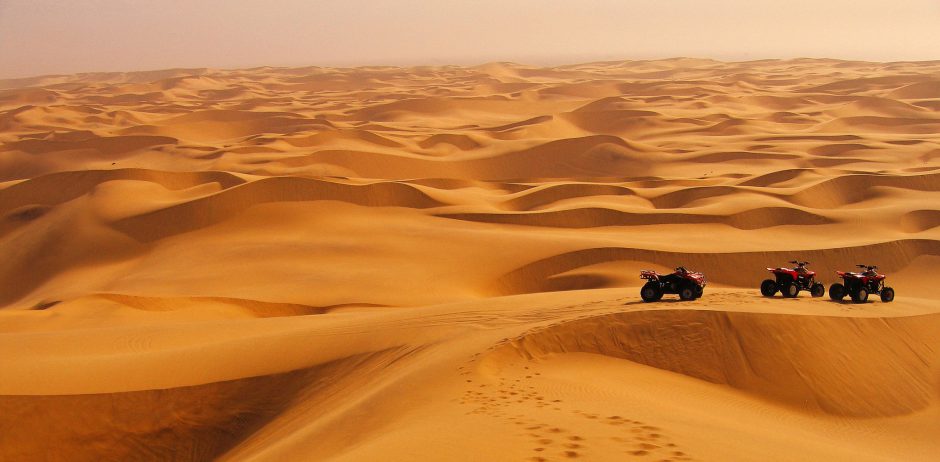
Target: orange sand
440, 263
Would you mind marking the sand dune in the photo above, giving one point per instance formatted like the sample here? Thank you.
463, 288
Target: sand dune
462, 142
596, 217
441, 263
732, 348
219, 207
730, 268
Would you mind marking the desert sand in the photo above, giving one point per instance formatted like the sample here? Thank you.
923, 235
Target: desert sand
441, 263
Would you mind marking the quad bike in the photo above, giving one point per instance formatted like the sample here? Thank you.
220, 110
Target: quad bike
860, 285
688, 284
790, 281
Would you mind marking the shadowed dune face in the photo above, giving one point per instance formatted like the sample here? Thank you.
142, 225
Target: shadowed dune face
279, 264
136, 425
200, 422
873, 372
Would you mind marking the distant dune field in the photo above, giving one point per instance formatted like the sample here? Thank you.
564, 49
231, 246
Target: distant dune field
441, 263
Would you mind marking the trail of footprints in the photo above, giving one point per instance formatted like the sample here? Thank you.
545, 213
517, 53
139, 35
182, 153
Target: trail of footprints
637, 440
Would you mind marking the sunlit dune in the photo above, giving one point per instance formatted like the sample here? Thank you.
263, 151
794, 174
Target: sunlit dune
441, 263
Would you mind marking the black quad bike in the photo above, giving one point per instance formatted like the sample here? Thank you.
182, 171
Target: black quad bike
860, 285
790, 281
688, 284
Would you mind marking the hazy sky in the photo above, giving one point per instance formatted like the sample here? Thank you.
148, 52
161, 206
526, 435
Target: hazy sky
65, 36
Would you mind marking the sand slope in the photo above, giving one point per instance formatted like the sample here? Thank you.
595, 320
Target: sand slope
440, 263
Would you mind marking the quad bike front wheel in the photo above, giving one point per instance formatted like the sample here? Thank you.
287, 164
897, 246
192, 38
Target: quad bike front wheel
837, 291
887, 294
818, 290
860, 295
687, 292
698, 291
651, 292
768, 288
790, 290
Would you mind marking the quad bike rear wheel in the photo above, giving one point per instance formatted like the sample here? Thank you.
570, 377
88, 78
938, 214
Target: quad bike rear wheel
837, 291
818, 290
860, 295
651, 292
790, 290
687, 292
887, 294
768, 288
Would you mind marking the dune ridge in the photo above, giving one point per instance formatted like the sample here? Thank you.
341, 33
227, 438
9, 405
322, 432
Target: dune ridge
216, 208
731, 268
732, 348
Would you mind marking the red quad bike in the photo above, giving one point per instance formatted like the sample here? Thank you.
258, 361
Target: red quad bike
860, 285
790, 281
688, 284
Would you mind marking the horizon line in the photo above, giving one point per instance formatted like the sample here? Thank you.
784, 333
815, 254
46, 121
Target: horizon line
455, 65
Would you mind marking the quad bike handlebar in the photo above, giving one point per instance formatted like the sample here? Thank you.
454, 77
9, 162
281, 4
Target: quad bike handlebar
799, 263
868, 267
